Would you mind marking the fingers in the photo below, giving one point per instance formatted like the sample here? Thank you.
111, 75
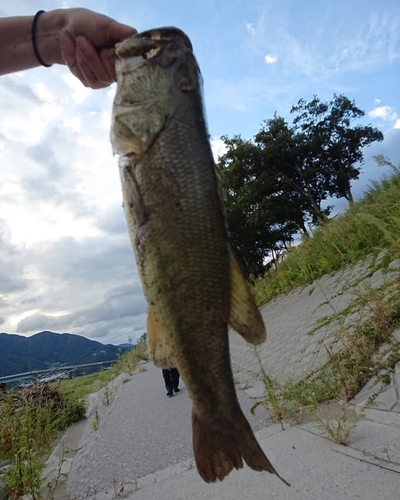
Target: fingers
87, 46
95, 66
68, 53
108, 58
93, 69
117, 32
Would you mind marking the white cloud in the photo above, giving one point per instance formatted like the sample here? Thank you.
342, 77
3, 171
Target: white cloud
377, 101
329, 42
250, 28
64, 245
270, 59
387, 114
384, 112
218, 148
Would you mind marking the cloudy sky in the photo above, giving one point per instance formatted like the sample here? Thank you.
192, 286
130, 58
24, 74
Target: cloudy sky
65, 260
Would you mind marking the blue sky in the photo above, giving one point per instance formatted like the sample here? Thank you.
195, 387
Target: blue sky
65, 259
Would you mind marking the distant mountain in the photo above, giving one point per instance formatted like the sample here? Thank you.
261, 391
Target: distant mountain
19, 354
126, 345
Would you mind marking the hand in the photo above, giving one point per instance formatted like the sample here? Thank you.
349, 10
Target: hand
87, 44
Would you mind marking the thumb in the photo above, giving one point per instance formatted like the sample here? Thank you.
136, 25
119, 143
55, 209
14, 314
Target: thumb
117, 32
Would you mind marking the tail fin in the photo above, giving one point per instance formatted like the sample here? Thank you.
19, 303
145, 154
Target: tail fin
218, 451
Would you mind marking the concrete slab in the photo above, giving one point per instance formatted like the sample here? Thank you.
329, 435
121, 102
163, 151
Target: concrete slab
378, 441
386, 400
316, 468
383, 417
373, 386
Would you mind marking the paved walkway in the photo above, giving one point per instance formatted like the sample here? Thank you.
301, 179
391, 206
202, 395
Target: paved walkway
140, 432
291, 352
142, 448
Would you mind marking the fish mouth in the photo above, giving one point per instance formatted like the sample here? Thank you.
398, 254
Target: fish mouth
148, 43
143, 60
167, 34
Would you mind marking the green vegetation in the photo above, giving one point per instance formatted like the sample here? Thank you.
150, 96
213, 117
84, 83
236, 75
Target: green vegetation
29, 421
31, 418
86, 384
276, 184
360, 350
126, 363
339, 429
369, 226
289, 402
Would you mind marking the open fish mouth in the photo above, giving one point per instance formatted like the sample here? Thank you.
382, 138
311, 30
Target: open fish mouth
148, 43
146, 65
166, 34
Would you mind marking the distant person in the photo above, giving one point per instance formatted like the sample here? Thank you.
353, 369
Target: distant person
171, 379
78, 38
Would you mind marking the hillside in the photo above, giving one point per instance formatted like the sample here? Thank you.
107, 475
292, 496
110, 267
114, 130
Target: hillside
44, 350
369, 226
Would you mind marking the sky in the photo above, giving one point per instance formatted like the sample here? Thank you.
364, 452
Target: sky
66, 264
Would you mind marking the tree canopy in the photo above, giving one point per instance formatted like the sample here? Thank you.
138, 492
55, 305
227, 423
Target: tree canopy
277, 182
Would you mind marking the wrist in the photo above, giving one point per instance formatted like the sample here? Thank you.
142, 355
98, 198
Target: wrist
49, 27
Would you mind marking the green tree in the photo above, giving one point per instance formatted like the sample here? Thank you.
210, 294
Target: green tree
259, 223
277, 183
335, 147
286, 154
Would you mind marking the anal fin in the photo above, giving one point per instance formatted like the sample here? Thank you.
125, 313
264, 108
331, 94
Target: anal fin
244, 315
160, 351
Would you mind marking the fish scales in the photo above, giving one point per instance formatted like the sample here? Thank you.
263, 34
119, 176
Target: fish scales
174, 210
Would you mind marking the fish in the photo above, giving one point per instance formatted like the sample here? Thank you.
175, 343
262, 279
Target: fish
174, 207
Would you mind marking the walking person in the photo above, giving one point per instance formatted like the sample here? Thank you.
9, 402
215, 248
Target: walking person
171, 379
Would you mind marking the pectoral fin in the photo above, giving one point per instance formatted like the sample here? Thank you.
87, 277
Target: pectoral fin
244, 315
160, 351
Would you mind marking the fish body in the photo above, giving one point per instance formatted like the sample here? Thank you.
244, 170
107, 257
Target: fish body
175, 216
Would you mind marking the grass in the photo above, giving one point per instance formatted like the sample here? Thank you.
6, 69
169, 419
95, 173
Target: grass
363, 344
95, 423
369, 226
360, 350
86, 384
339, 429
290, 401
29, 423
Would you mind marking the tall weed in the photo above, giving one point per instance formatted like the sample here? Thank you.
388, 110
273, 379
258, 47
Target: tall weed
28, 424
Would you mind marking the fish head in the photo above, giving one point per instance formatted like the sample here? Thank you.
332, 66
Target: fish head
155, 69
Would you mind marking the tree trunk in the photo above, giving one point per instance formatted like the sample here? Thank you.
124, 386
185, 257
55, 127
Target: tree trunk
316, 208
304, 229
349, 196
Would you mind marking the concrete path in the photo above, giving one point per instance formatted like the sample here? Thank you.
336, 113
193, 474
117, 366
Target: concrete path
142, 431
142, 447
296, 341
316, 468
142, 450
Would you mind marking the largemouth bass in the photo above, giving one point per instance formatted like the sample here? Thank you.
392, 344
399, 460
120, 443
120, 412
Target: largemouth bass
175, 215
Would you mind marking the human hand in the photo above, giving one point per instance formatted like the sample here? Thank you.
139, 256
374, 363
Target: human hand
86, 45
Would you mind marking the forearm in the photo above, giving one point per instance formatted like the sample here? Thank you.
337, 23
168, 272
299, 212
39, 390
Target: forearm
16, 49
